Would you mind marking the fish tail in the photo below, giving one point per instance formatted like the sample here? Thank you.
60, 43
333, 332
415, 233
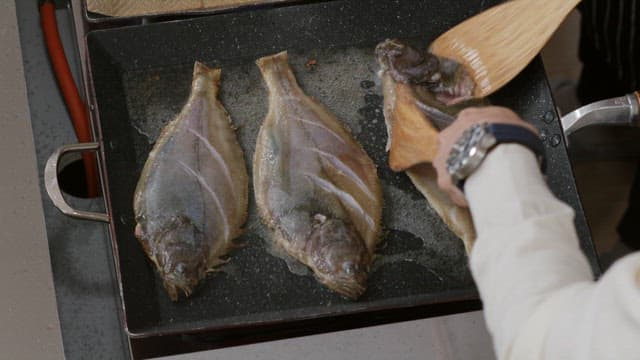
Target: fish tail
273, 61
278, 76
200, 69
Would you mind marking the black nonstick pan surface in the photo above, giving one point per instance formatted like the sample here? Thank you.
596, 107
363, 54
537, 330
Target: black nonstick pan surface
140, 77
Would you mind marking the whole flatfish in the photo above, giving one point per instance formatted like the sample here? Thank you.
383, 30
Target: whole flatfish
426, 92
191, 198
315, 186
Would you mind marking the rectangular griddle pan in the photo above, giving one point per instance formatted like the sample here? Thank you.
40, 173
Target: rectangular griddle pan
140, 78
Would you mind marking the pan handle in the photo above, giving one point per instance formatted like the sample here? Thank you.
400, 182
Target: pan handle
53, 188
621, 111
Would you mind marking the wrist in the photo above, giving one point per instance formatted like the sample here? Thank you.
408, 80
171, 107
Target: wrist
472, 147
503, 187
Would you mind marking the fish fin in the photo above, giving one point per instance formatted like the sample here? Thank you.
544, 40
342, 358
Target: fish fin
456, 218
239, 244
216, 263
187, 292
201, 69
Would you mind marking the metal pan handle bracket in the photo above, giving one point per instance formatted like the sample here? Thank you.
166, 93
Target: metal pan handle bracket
620, 111
53, 188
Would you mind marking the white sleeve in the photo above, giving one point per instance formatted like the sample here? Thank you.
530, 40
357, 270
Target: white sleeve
540, 301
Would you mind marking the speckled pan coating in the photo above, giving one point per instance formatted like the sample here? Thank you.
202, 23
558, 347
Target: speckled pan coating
142, 72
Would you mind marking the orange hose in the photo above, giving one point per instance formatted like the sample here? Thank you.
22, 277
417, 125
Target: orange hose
76, 107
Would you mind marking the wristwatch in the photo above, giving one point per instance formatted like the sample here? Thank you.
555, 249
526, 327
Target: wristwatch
475, 143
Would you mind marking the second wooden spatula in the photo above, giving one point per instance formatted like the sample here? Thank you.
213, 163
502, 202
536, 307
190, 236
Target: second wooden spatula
498, 43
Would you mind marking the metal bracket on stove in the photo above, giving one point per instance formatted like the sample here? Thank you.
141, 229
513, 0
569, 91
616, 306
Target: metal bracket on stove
619, 111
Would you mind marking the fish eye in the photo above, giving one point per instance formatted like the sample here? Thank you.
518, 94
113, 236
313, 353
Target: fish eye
180, 269
349, 267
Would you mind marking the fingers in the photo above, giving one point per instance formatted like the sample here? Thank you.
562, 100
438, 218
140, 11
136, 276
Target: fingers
458, 197
446, 139
446, 184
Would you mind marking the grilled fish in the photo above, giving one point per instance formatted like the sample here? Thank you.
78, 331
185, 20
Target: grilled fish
315, 187
191, 198
427, 92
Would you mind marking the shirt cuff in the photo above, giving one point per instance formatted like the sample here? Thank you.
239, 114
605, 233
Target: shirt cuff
507, 187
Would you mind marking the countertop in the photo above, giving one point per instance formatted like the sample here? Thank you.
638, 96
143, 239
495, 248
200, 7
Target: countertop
30, 325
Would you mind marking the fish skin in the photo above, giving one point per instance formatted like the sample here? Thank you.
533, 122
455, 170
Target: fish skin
192, 196
442, 82
457, 218
315, 186
434, 90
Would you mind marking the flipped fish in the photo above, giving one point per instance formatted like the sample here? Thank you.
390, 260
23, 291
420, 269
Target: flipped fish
315, 187
423, 92
191, 198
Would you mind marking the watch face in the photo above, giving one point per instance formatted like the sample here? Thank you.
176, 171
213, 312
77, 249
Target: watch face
467, 153
460, 150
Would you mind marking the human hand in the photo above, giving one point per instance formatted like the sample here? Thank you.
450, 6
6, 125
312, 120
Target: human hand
448, 137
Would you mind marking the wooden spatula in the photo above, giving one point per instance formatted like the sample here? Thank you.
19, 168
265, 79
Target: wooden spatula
498, 43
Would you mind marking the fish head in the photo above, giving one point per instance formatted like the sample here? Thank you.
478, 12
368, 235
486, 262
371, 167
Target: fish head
180, 258
447, 81
339, 257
